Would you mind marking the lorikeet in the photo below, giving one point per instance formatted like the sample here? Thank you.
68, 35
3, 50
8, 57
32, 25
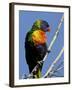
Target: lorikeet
35, 45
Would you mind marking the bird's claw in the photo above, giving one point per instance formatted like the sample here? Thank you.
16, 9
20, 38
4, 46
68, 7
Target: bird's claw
40, 62
48, 51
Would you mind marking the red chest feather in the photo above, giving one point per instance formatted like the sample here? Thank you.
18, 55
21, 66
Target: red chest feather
39, 37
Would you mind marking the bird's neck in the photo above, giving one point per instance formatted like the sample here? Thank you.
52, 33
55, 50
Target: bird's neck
39, 37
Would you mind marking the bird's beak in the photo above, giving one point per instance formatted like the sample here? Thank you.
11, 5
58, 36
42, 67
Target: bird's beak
48, 29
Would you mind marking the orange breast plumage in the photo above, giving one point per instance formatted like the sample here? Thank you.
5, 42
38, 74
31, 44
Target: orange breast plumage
39, 37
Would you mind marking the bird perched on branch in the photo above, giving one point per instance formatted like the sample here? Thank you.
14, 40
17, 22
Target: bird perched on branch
35, 46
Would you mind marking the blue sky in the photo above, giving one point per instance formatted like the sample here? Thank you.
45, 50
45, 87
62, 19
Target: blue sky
26, 20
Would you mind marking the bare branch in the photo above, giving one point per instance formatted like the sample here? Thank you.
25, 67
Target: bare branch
54, 62
56, 71
59, 66
56, 34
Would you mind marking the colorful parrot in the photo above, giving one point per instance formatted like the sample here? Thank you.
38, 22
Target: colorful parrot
35, 46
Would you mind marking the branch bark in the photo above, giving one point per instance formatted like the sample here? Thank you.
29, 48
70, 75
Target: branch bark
54, 62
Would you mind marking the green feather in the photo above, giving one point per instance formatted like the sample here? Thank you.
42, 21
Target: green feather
30, 37
38, 73
37, 25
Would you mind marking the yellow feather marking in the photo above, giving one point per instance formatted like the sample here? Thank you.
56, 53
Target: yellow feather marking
39, 37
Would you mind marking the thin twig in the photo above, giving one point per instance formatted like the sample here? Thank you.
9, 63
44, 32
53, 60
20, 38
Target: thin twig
60, 65
56, 71
54, 62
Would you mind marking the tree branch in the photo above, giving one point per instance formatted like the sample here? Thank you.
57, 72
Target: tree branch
54, 62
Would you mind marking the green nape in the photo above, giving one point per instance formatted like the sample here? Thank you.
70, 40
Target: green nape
37, 25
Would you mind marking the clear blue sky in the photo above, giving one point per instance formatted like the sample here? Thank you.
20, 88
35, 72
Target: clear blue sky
26, 20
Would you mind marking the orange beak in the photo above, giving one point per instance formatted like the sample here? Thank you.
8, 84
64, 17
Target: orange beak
48, 29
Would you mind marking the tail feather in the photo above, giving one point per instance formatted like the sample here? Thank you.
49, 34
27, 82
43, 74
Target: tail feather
37, 73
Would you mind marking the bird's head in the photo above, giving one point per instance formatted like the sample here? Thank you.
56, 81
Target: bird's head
41, 25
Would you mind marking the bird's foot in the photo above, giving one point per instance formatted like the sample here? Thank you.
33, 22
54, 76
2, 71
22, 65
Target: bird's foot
40, 62
48, 51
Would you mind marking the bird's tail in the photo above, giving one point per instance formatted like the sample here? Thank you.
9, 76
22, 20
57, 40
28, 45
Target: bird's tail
37, 74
